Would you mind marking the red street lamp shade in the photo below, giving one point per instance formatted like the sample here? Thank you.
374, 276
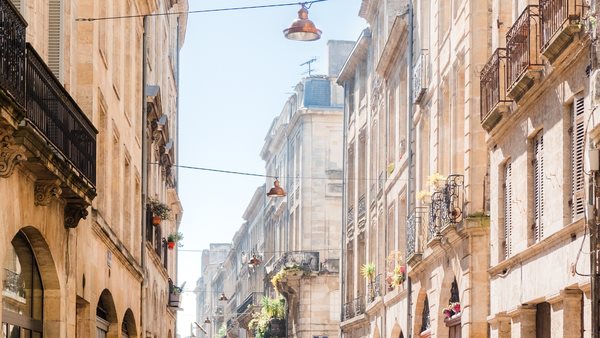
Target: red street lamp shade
276, 191
302, 29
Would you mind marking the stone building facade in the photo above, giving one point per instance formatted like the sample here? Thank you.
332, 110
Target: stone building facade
415, 172
536, 106
87, 137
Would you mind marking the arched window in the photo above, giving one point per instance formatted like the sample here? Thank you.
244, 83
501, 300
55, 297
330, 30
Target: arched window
23, 291
102, 322
425, 323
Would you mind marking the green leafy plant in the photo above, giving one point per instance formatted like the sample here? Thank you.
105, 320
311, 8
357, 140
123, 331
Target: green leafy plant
175, 237
222, 331
279, 276
368, 271
159, 209
272, 308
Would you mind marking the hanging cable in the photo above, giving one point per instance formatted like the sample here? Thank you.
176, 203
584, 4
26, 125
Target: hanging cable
306, 3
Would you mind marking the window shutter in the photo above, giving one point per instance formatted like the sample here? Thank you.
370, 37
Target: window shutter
507, 210
54, 37
577, 140
538, 187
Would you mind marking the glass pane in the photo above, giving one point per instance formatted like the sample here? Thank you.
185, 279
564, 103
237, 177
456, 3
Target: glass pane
13, 331
26, 333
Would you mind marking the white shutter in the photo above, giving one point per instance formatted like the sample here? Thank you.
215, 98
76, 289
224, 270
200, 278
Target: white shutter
538, 187
54, 37
577, 140
507, 210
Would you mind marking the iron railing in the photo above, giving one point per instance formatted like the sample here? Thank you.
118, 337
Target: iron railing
359, 305
493, 82
446, 206
381, 181
350, 216
374, 288
12, 51
362, 210
523, 44
555, 13
414, 237
253, 299
421, 76
54, 112
349, 310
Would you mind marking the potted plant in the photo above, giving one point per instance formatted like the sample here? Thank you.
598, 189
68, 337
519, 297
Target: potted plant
368, 272
396, 270
160, 211
452, 309
269, 322
174, 295
173, 238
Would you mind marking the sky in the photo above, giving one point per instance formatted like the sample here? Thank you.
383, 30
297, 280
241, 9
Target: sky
237, 70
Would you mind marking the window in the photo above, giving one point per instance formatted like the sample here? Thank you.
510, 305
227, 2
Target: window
538, 187
22, 292
542, 320
507, 186
577, 131
425, 323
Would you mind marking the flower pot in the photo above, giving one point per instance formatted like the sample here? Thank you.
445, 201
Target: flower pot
170, 245
156, 220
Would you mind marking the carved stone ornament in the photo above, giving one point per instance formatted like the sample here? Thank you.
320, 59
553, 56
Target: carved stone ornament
74, 212
376, 93
10, 153
45, 191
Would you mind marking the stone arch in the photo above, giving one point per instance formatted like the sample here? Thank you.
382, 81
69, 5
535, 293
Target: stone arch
396, 331
421, 307
128, 325
29, 240
106, 313
450, 277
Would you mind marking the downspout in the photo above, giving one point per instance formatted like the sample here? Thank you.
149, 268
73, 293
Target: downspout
144, 174
344, 203
177, 106
410, 181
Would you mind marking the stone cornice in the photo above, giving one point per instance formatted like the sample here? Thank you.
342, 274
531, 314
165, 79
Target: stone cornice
534, 250
395, 44
358, 54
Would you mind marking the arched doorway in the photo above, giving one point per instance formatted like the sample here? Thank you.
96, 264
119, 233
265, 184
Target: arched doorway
128, 326
106, 318
23, 291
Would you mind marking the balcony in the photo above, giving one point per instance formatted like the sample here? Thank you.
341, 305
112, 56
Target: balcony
348, 310
415, 235
350, 222
359, 305
561, 20
524, 58
306, 260
374, 289
362, 212
421, 77
494, 102
247, 308
43, 128
446, 206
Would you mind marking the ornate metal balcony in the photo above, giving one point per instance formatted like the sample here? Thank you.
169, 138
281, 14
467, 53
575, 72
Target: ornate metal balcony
446, 206
350, 222
12, 51
253, 300
44, 128
524, 58
415, 235
307, 260
348, 310
421, 76
374, 289
493, 90
359, 305
561, 19
362, 212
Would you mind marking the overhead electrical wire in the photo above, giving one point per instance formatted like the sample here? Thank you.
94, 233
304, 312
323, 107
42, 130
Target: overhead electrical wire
307, 4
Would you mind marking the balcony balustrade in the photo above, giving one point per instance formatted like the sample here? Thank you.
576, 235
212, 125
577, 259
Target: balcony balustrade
359, 305
374, 289
349, 310
253, 300
362, 211
54, 139
306, 260
446, 206
561, 19
421, 76
415, 235
494, 102
524, 57
350, 222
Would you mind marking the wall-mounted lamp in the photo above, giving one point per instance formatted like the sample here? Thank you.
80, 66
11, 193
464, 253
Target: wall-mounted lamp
207, 321
276, 191
223, 298
302, 29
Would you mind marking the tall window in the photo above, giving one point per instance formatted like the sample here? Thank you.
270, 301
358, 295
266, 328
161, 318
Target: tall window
507, 186
425, 323
542, 320
23, 292
577, 131
538, 186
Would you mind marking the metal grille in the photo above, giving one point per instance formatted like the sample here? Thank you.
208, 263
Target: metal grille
556, 13
523, 44
414, 239
493, 82
12, 51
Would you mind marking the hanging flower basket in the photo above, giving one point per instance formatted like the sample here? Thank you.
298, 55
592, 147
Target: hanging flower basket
171, 245
156, 220
174, 238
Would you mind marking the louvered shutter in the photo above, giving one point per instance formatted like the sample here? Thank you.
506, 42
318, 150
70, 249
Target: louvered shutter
577, 140
538, 187
507, 210
54, 36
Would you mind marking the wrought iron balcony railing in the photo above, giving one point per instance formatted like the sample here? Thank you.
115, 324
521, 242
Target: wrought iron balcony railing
415, 238
493, 89
253, 300
362, 211
12, 51
374, 289
348, 310
421, 76
523, 46
446, 206
359, 305
560, 20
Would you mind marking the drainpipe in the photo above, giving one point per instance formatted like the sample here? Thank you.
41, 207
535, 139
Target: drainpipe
144, 174
177, 106
344, 203
410, 174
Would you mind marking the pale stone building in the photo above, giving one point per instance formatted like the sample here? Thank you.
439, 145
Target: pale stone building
87, 136
412, 113
303, 149
536, 105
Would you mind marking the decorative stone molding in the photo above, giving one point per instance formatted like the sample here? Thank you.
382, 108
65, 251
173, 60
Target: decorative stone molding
45, 191
74, 212
10, 153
